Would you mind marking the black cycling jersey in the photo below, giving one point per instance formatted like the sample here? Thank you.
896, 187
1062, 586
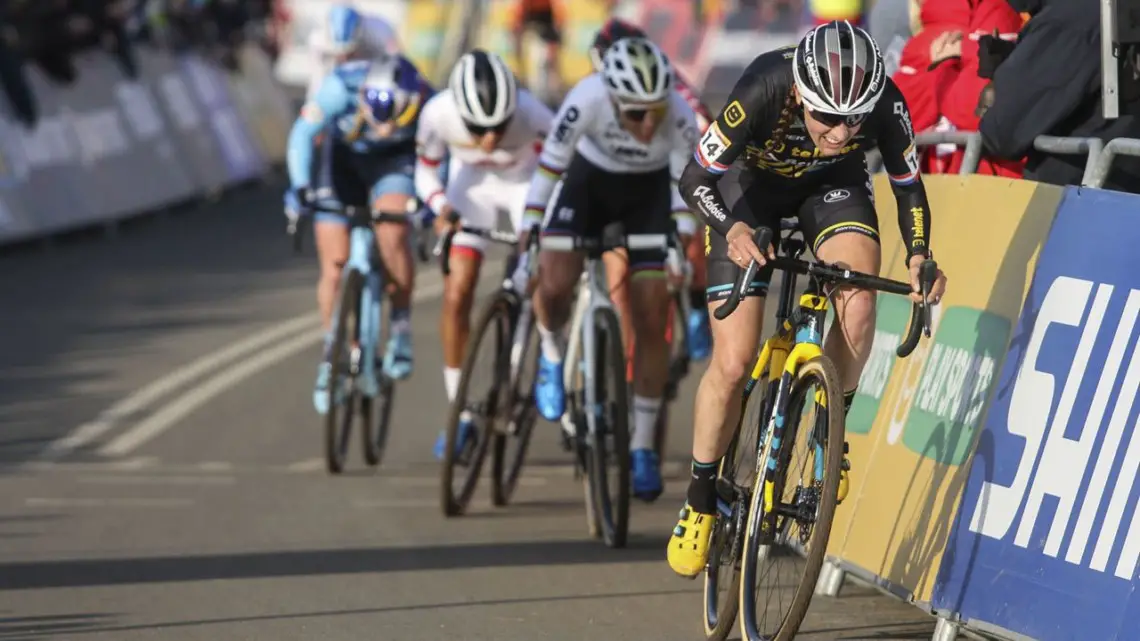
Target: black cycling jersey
745, 132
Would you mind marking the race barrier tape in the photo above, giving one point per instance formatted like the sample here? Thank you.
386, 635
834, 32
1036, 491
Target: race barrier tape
108, 147
994, 471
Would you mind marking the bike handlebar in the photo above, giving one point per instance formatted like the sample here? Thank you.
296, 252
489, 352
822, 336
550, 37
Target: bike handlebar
920, 318
310, 202
443, 246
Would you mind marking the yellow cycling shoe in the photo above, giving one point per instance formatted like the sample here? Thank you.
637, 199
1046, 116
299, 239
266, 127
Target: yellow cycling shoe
688, 550
844, 481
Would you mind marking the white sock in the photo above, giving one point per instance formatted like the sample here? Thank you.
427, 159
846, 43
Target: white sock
552, 343
451, 386
451, 381
645, 412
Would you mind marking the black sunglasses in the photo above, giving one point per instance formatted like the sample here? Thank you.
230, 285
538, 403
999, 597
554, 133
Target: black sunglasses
834, 120
479, 130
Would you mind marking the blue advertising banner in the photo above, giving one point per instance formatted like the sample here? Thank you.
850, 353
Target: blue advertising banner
1047, 538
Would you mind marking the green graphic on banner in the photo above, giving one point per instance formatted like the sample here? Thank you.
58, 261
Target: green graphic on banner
955, 384
892, 316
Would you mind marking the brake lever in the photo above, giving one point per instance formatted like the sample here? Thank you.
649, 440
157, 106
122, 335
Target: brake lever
927, 275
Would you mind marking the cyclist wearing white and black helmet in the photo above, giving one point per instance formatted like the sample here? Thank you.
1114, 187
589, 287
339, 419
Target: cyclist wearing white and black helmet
798, 122
620, 138
491, 130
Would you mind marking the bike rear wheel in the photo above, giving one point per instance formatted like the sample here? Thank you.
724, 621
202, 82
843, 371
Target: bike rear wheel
491, 333
676, 336
344, 358
609, 447
510, 443
376, 413
807, 508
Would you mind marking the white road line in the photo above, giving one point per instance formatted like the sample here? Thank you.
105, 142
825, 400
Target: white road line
394, 503
157, 480
307, 465
123, 410
108, 502
193, 398
215, 466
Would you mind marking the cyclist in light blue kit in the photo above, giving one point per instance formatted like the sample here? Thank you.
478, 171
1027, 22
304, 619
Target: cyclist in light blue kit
367, 112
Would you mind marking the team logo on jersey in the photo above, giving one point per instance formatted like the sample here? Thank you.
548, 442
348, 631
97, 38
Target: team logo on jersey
836, 195
904, 116
563, 128
713, 144
734, 114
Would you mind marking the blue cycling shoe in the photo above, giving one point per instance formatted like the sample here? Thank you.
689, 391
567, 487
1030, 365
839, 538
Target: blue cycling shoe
700, 334
464, 434
321, 388
647, 484
548, 393
398, 356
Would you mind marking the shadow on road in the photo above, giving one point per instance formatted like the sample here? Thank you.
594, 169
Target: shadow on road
103, 572
50, 626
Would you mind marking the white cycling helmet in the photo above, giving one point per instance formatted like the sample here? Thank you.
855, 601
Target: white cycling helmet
345, 29
484, 89
636, 71
838, 69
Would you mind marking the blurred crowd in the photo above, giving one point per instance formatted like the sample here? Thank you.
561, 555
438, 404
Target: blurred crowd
1013, 70
50, 33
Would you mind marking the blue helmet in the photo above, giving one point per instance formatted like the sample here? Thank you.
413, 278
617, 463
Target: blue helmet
345, 27
390, 91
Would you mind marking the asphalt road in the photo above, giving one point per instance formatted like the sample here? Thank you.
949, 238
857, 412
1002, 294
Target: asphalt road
160, 472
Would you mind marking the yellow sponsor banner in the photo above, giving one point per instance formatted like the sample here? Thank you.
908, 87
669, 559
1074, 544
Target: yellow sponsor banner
923, 412
581, 19
425, 25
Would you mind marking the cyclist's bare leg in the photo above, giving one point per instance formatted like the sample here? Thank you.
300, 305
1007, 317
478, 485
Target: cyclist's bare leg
649, 306
717, 406
332, 254
455, 319
395, 249
558, 273
716, 411
848, 342
617, 272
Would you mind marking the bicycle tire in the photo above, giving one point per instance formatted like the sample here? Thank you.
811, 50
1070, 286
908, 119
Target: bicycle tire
720, 615
612, 512
822, 370
375, 426
337, 432
493, 322
522, 412
678, 367
376, 413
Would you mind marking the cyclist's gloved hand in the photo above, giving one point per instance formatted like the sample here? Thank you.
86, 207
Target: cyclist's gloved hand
520, 278
295, 203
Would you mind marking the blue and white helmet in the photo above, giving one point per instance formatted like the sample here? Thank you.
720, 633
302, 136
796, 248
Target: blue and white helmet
390, 91
345, 29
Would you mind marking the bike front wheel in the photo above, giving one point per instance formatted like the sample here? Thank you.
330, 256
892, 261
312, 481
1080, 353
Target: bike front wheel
608, 460
804, 491
344, 358
474, 414
511, 442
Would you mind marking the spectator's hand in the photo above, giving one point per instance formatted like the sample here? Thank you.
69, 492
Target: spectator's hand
992, 51
946, 45
985, 100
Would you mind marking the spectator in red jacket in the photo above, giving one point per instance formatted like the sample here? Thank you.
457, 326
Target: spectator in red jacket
938, 74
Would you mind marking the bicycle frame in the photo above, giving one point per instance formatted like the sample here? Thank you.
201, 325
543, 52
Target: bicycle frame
798, 340
363, 257
593, 294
